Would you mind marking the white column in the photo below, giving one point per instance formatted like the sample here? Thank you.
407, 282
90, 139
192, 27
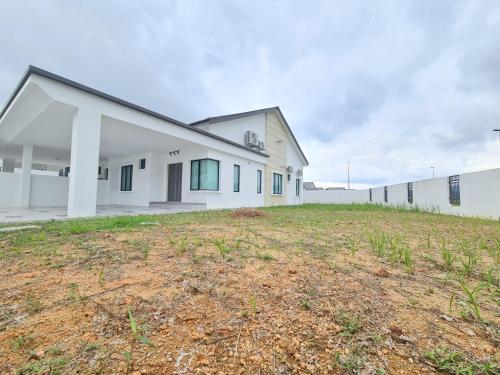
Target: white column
26, 175
85, 142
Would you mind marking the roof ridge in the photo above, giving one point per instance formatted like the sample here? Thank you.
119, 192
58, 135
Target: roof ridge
245, 113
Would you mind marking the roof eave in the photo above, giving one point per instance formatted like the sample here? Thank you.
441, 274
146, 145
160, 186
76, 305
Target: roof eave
46, 74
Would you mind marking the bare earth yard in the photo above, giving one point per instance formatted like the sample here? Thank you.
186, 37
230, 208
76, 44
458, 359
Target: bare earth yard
287, 290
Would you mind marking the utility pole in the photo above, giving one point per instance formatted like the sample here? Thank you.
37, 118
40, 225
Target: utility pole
348, 176
433, 172
498, 131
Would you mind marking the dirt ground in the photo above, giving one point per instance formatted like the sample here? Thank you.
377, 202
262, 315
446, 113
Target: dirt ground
291, 290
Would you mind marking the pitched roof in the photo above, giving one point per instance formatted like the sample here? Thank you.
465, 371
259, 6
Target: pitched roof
54, 77
234, 116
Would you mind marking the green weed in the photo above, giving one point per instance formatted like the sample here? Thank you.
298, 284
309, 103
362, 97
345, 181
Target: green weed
223, 248
457, 363
471, 304
350, 323
74, 293
447, 255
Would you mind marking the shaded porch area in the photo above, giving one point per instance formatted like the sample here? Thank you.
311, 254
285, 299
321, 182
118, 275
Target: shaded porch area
17, 215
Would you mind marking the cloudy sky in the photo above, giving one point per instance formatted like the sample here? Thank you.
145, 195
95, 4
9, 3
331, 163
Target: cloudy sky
393, 86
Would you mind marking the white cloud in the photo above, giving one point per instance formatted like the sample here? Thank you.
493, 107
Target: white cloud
392, 86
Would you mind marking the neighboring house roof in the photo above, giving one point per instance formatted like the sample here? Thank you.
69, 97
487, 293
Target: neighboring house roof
234, 116
54, 77
309, 185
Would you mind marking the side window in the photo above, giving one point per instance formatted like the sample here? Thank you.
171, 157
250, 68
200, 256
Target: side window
277, 183
386, 194
454, 186
259, 181
410, 192
236, 178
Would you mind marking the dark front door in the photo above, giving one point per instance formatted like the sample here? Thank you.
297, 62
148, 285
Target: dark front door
174, 182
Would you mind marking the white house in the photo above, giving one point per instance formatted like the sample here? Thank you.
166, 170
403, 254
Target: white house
106, 151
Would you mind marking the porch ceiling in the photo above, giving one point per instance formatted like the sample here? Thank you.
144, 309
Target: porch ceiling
50, 133
120, 138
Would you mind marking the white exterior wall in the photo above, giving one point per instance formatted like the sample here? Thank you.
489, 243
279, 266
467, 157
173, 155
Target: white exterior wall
139, 196
336, 196
47, 191
234, 130
377, 195
10, 187
226, 197
397, 195
102, 192
479, 195
159, 175
293, 159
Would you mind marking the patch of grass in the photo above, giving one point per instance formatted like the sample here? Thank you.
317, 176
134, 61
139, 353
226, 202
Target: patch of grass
350, 323
101, 278
74, 293
264, 256
22, 343
454, 362
391, 247
352, 362
49, 366
141, 245
224, 249
306, 304
92, 346
33, 303
138, 332
447, 255
469, 257
352, 245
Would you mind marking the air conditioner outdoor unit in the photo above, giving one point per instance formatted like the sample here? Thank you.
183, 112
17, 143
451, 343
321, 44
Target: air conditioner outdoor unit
289, 169
251, 138
261, 145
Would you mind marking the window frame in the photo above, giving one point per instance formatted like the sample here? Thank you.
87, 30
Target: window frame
199, 175
123, 184
259, 181
236, 189
297, 187
371, 195
409, 192
386, 194
142, 163
454, 181
280, 184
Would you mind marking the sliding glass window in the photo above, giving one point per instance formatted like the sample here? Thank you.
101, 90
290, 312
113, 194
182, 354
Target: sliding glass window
126, 178
205, 174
